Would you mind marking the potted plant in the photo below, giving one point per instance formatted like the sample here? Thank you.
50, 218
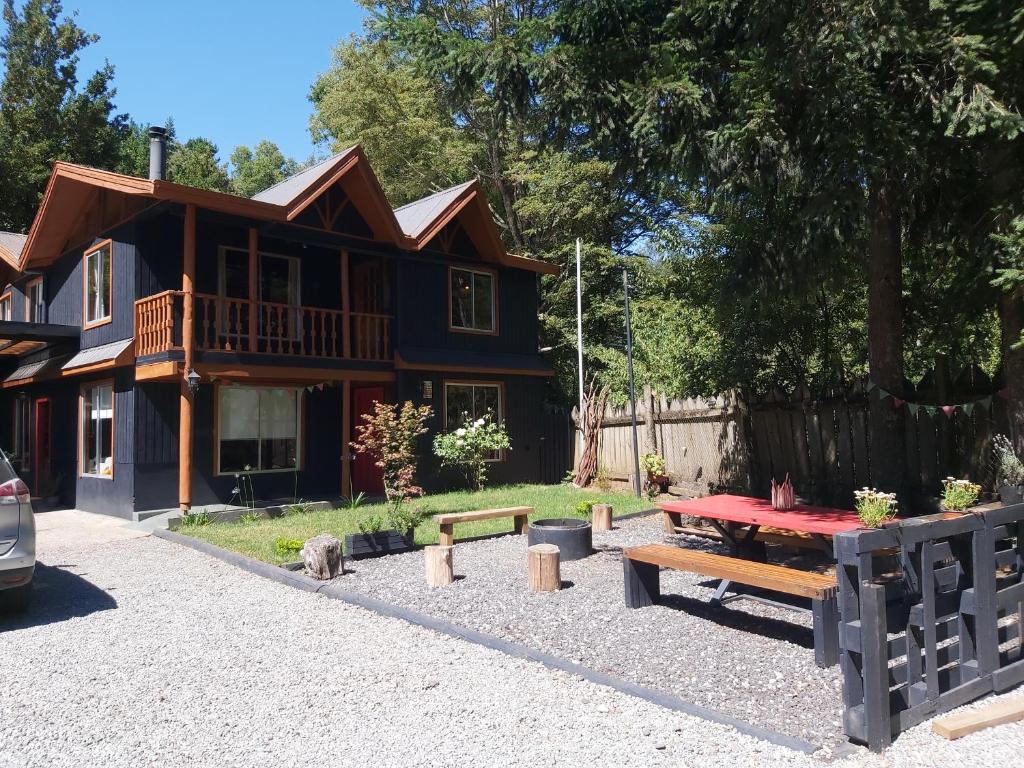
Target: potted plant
875, 508
654, 466
1009, 471
958, 495
389, 434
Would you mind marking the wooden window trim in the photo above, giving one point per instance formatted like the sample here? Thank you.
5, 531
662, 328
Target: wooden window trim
28, 295
502, 406
300, 446
86, 324
494, 299
8, 297
113, 429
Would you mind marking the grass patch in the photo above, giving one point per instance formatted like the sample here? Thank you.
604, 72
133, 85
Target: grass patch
257, 539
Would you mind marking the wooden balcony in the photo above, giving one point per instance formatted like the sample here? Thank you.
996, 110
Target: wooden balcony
238, 325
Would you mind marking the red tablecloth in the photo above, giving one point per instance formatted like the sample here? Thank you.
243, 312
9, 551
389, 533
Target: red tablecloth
750, 511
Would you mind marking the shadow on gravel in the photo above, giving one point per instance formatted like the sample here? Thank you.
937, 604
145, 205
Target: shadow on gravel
724, 616
58, 595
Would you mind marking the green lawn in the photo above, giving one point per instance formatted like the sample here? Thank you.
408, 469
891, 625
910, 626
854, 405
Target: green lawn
256, 539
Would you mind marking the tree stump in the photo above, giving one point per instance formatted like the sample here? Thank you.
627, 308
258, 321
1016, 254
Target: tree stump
544, 574
601, 515
322, 557
438, 559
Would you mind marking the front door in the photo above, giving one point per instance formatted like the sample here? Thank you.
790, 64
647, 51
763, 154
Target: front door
42, 479
366, 475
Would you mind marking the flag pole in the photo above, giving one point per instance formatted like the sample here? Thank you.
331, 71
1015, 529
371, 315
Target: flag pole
632, 388
579, 330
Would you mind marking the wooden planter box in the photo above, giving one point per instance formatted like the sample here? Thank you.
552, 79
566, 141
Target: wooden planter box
390, 542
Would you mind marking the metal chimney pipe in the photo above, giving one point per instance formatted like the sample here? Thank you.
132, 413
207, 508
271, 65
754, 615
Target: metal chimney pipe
157, 152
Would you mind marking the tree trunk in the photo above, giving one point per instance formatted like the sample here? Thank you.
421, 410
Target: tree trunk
649, 426
885, 339
543, 571
1011, 318
440, 569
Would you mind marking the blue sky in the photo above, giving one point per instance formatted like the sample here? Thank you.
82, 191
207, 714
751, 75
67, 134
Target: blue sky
232, 71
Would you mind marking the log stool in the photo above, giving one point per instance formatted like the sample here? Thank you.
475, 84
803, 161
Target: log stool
544, 574
601, 517
440, 570
322, 557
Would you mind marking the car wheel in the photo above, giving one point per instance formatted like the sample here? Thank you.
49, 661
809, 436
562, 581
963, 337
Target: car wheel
16, 600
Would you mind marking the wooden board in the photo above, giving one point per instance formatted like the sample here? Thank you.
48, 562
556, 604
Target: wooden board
772, 577
963, 723
481, 514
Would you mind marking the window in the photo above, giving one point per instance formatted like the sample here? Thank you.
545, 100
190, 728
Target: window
471, 296
464, 401
278, 282
22, 446
258, 429
97, 431
35, 306
6, 313
97, 285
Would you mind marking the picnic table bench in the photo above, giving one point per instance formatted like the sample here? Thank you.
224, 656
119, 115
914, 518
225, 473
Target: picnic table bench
641, 570
446, 521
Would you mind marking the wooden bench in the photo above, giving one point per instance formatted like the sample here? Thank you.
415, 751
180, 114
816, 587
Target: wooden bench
446, 522
641, 572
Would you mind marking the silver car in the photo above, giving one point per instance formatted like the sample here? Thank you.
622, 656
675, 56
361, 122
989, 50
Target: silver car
17, 540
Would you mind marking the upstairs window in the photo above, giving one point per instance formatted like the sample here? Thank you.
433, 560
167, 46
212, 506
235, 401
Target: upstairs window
471, 296
35, 306
97, 285
6, 312
97, 431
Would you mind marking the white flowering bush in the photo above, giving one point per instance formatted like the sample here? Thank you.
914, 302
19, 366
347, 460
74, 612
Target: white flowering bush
874, 507
958, 495
470, 446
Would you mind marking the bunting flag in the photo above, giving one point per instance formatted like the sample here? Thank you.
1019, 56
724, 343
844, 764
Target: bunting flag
985, 403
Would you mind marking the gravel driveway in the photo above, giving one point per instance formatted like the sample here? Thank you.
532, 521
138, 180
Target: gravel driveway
139, 652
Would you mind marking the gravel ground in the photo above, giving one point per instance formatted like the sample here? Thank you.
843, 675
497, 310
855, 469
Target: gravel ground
140, 652
749, 660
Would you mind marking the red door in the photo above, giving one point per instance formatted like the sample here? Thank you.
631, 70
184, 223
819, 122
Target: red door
41, 478
366, 475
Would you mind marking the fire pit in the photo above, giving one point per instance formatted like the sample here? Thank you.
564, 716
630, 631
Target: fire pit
570, 535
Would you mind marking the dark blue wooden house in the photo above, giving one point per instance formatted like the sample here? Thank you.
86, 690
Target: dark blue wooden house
162, 339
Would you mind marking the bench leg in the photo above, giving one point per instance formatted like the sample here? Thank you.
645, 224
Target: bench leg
826, 632
723, 587
642, 583
521, 524
447, 535
670, 520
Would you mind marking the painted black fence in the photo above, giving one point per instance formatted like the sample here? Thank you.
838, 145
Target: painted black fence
557, 442
931, 615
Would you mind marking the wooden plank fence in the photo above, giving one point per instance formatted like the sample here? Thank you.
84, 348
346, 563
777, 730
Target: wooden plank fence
741, 441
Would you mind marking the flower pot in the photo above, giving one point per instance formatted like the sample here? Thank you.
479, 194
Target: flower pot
1010, 494
359, 546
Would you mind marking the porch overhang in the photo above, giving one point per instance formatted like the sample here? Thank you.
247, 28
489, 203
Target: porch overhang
459, 361
19, 338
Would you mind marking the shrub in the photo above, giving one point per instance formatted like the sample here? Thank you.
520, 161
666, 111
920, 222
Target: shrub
371, 525
195, 519
389, 435
471, 446
584, 508
652, 464
287, 547
250, 517
405, 520
1009, 469
875, 507
958, 495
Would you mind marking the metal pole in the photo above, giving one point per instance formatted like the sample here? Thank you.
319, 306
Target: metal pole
632, 389
579, 329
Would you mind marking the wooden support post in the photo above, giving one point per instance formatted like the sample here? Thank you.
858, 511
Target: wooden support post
439, 565
188, 340
346, 316
601, 517
875, 666
253, 287
521, 524
544, 574
446, 535
346, 438
826, 632
642, 582
670, 520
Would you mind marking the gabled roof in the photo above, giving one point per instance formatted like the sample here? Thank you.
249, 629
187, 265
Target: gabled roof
81, 202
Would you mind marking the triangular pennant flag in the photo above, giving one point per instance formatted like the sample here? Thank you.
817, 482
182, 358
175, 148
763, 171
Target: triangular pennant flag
968, 407
320, 387
870, 386
896, 402
931, 410
913, 407
309, 388
949, 410
882, 394
986, 402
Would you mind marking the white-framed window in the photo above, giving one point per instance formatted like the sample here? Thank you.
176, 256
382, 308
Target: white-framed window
472, 300
35, 304
468, 401
97, 430
22, 442
97, 285
258, 429
6, 307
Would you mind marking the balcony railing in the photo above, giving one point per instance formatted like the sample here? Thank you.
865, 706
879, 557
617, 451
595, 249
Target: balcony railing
238, 325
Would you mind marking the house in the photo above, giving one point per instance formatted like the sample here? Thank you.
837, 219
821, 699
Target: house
162, 339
